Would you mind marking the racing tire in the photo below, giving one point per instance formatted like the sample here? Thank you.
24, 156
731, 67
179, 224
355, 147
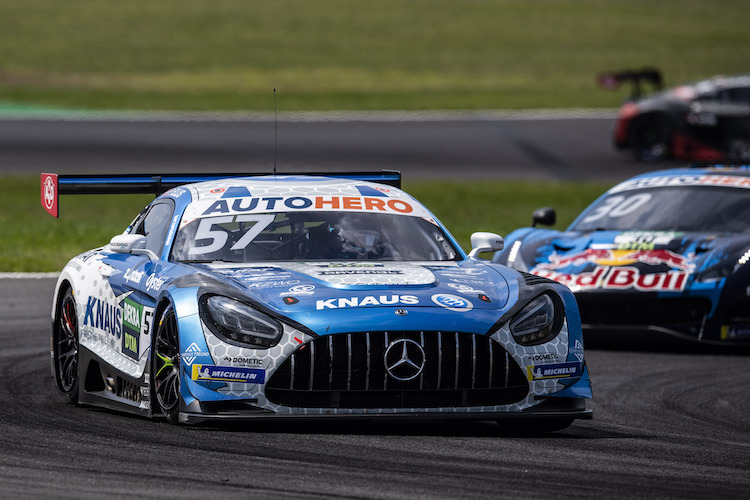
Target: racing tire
165, 367
66, 347
651, 139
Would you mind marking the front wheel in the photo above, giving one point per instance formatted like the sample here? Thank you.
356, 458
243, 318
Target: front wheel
165, 366
651, 139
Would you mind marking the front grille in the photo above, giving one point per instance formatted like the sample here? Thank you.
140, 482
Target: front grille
641, 312
348, 371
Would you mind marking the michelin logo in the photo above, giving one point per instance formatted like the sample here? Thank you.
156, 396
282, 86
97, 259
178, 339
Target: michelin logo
559, 370
211, 373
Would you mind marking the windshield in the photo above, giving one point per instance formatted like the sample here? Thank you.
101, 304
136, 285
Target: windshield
292, 236
695, 208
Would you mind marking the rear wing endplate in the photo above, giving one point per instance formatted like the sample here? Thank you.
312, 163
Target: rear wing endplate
53, 185
612, 80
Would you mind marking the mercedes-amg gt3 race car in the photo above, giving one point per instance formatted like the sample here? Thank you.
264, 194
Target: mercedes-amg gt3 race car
708, 121
665, 252
287, 296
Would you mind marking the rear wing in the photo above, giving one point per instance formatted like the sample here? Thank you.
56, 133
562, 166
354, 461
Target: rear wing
53, 185
612, 80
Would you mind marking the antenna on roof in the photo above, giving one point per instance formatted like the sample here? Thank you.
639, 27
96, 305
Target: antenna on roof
275, 132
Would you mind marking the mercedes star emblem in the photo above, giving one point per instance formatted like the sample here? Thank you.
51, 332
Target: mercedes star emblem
404, 359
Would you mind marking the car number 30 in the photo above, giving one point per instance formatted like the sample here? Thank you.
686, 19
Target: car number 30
617, 206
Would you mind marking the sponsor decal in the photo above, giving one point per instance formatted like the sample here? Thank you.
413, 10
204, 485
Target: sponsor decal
735, 331
332, 202
272, 284
106, 270
350, 264
133, 276
452, 302
684, 180
559, 370
619, 278
613, 270
176, 192
256, 362
126, 321
464, 288
192, 353
644, 240
154, 284
49, 194
132, 320
368, 301
103, 316
608, 257
299, 290
547, 356
240, 374
359, 271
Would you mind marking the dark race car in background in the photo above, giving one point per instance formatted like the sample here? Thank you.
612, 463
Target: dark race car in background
664, 252
289, 296
707, 121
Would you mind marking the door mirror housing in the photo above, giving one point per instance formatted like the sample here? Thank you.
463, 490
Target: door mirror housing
131, 243
485, 242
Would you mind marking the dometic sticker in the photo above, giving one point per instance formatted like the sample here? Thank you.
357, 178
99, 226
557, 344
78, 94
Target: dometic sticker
370, 300
452, 302
228, 374
560, 370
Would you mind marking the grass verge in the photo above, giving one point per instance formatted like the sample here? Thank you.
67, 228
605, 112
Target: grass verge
344, 54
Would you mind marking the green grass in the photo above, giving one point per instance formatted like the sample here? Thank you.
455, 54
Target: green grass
345, 54
33, 241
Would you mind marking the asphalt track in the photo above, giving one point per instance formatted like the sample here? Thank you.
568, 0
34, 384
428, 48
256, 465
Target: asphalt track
668, 423
555, 146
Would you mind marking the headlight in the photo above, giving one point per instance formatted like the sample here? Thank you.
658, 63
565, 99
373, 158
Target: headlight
724, 268
539, 322
240, 324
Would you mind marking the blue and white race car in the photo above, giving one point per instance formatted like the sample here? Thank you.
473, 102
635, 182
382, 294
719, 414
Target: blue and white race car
665, 253
288, 296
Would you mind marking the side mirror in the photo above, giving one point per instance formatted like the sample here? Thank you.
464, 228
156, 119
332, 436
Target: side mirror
131, 243
485, 242
545, 216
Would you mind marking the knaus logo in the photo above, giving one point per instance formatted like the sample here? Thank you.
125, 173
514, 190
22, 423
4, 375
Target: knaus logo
369, 300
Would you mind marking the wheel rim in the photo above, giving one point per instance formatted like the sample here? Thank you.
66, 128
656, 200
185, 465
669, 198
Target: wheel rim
67, 345
167, 363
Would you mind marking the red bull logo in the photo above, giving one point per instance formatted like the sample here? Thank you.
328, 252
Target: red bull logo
614, 270
613, 258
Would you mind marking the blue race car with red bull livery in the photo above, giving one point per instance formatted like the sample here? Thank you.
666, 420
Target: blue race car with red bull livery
317, 296
665, 252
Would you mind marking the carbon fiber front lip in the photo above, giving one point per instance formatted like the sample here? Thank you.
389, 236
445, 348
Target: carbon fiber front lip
196, 418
